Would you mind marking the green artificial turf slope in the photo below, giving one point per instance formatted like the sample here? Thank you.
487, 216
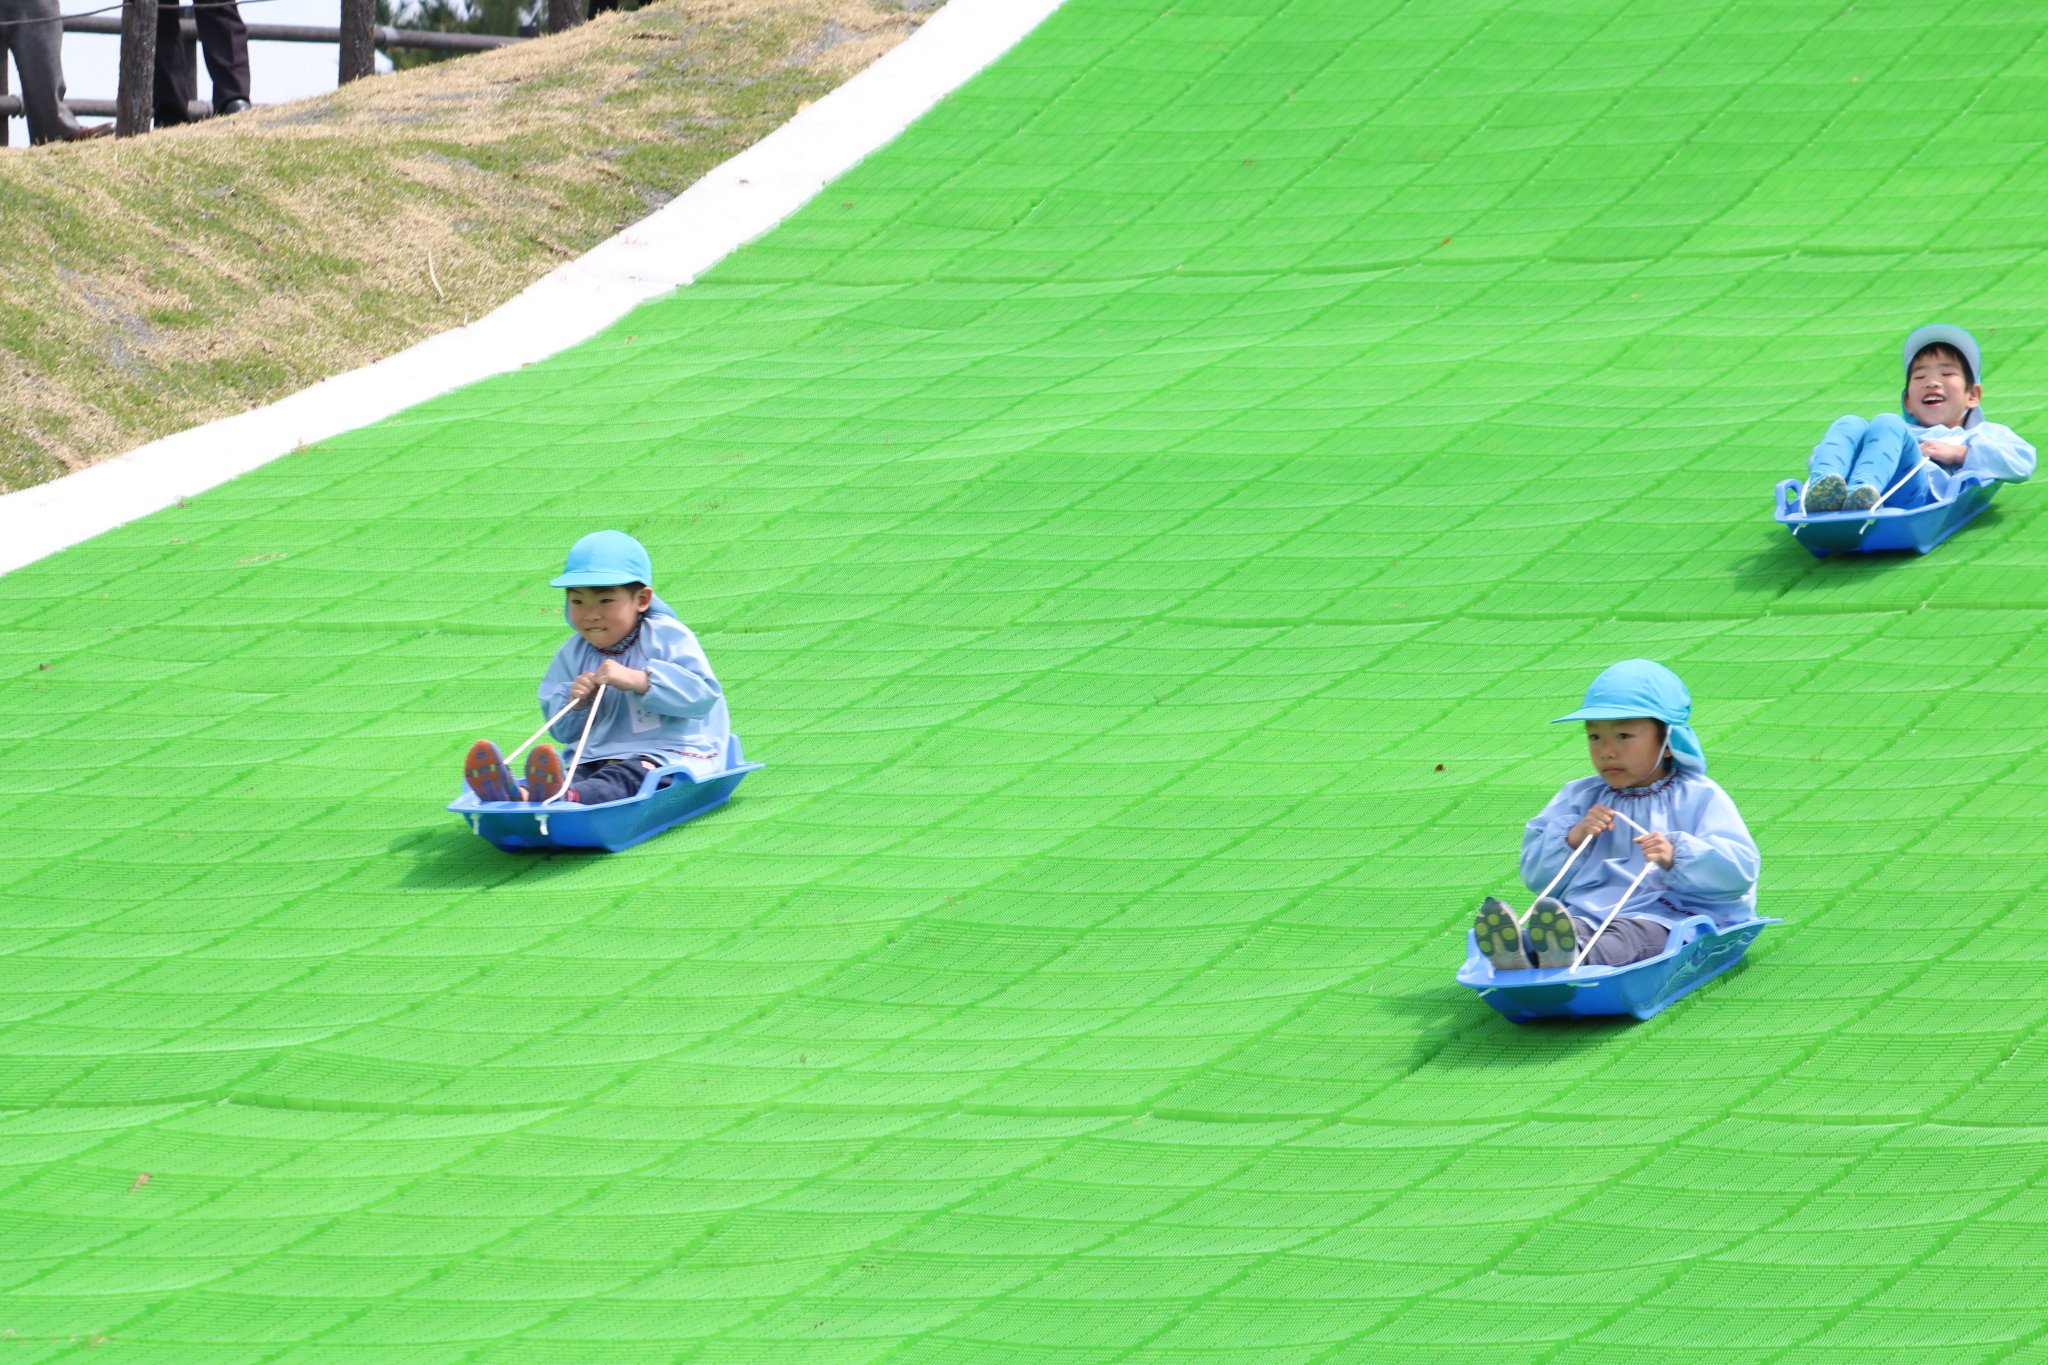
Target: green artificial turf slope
1145, 519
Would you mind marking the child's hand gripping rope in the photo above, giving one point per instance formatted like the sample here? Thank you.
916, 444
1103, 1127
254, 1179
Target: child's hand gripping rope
1594, 823
596, 697
1656, 847
1657, 852
611, 673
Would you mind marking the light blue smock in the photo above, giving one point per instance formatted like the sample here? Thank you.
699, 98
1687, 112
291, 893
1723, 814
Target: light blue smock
1885, 449
1713, 866
682, 718
1996, 451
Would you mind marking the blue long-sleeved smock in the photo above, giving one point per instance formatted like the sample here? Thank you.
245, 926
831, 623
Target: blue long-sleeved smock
1714, 862
1996, 451
682, 718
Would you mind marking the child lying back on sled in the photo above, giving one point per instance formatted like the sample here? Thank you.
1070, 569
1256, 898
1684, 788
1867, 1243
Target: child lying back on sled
1911, 458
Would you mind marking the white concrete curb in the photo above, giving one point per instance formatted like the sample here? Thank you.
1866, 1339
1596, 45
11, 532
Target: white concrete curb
732, 205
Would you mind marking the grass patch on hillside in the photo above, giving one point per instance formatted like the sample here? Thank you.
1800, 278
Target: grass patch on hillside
169, 280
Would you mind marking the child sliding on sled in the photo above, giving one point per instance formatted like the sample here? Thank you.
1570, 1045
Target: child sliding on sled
657, 702
1912, 457
1651, 802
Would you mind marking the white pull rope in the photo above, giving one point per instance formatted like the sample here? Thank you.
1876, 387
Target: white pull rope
1521, 918
1925, 460
1616, 909
1612, 911
1624, 895
546, 726
577, 760
1630, 823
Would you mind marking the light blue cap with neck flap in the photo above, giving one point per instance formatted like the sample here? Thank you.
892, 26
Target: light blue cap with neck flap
1641, 687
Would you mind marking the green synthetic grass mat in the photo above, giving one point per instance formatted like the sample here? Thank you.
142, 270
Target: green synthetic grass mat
1144, 518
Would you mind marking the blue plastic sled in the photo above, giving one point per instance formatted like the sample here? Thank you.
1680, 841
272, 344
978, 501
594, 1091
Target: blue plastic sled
668, 797
1696, 953
1918, 529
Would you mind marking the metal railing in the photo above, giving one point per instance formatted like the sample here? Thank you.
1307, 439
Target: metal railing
382, 36
358, 37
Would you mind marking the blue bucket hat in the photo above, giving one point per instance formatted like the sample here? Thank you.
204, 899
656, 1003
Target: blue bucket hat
605, 559
1638, 687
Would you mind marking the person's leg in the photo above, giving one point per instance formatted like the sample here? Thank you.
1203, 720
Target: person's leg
224, 39
1837, 449
608, 779
1886, 453
173, 90
37, 36
1827, 468
1626, 940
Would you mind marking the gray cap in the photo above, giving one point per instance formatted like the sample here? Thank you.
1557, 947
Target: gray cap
1941, 334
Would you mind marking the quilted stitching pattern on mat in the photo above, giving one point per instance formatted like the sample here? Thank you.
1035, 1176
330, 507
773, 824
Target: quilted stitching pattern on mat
1145, 518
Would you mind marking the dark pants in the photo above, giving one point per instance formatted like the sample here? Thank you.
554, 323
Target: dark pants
223, 37
1626, 940
34, 31
610, 779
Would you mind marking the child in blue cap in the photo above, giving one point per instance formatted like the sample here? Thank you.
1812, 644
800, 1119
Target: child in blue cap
1652, 774
662, 704
1911, 458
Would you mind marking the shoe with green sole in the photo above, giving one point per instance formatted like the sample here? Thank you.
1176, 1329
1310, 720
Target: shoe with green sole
1500, 938
1552, 939
1826, 494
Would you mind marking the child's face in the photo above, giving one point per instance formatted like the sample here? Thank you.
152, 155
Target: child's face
1626, 753
1938, 392
605, 616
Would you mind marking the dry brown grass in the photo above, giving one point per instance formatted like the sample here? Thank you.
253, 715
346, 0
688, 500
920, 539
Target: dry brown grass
168, 280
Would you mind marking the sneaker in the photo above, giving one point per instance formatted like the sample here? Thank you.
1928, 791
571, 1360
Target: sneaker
485, 772
1826, 494
1500, 938
543, 773
1861, 498
1553, 942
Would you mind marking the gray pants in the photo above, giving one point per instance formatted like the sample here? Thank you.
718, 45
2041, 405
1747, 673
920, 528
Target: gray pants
1626, 940
38, 49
